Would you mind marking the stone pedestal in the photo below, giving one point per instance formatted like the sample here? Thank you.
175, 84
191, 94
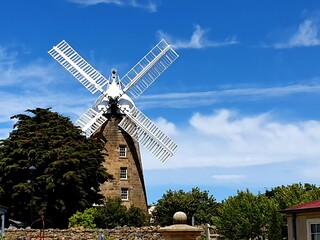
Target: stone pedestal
180, 230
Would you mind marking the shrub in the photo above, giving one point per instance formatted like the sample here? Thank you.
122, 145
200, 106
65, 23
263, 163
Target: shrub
110, 215
84, 219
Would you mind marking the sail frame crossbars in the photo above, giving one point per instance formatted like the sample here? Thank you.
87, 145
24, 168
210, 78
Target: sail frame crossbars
142, 129
91, 121
78, 67
149, 68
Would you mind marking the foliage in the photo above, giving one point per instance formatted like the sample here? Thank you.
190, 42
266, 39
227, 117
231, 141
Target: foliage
295, 194
136, 217
85, 219
195, 203
110, 215
244, 216
275, 223
288, 196
68, 168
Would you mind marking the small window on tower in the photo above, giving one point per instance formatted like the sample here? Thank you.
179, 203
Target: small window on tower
122, 151
123, 173
124, 194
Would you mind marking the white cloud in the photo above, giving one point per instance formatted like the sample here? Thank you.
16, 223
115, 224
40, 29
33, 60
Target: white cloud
167, 127
198, 40
16, 75
6, 57
207, 98
33, 75
228, 177
227, 139
148, 5
36, 84
307, 35
64, 103
4, 132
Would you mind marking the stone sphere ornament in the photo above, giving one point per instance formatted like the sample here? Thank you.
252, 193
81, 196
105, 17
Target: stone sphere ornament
179, 218
180, 230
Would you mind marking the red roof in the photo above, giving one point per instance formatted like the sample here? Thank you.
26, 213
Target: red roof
305, 206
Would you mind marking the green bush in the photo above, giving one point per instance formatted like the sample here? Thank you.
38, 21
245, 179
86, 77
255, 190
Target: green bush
84, 219
136, 217
109, 215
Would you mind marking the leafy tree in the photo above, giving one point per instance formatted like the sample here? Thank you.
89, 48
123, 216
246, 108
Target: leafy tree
196, 203
67, 172
295, 194
288, 196
244, 216
274, 228
110, 215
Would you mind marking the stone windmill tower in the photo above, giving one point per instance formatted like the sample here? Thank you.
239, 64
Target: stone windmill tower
115, 120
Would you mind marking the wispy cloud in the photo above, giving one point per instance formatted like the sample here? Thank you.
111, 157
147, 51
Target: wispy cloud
307, 35
6, 57
207, 98
35, 84
17, 75
228, 177
147, 5
198, 40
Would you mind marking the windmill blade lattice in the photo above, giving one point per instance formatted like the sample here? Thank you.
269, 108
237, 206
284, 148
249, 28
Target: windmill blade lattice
91, 121
136, 81
142, 129
149, 68
78, 67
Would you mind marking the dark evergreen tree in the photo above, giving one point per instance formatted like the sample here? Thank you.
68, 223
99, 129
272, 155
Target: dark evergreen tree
67, 172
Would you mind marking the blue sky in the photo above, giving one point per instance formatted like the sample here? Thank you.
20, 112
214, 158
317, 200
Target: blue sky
241, 101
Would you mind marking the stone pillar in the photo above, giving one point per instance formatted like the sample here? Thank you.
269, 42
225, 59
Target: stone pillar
2, 224
180, 230
3, 211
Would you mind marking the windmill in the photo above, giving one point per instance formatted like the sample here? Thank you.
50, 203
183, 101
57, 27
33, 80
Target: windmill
114, 108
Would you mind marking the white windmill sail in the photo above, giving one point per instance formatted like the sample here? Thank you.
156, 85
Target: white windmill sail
78, 67
91, 121
142, 129
148, 69
136, 81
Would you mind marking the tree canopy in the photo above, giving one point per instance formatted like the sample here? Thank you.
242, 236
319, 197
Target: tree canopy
288, 196
196, 203
244, 216
248, 216
67, 172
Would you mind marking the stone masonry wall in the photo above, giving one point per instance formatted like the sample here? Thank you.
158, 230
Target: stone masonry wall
119, 233
114, 137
